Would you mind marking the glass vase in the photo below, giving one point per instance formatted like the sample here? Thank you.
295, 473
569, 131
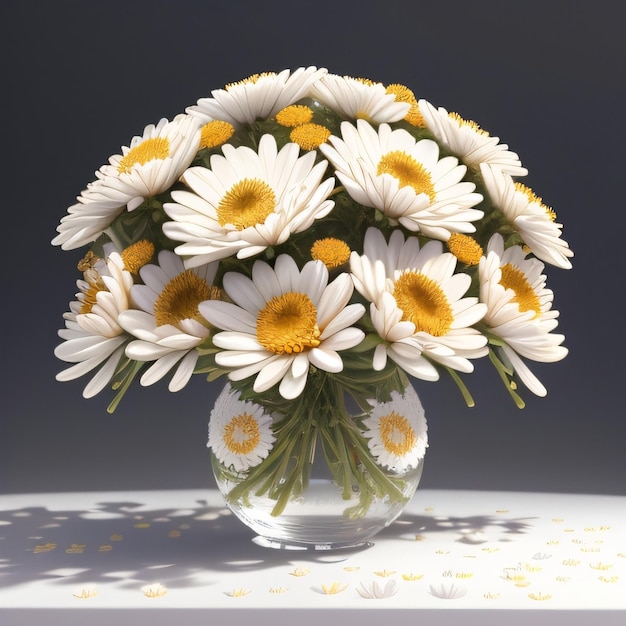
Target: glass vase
326, 471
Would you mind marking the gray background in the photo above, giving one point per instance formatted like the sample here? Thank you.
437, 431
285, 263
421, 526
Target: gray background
81, 78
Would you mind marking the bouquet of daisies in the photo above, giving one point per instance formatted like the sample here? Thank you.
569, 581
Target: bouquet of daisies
300, 231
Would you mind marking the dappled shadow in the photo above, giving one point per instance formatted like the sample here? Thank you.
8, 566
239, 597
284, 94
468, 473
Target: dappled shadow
127, 542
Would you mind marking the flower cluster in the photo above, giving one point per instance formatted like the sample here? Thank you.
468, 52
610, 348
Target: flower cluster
299, 227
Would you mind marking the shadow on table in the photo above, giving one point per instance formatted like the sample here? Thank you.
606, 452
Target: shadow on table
124, 542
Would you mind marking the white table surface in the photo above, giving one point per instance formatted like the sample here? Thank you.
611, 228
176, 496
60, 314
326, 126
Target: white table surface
453, 557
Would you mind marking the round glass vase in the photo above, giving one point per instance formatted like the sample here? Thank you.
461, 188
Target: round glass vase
326, 471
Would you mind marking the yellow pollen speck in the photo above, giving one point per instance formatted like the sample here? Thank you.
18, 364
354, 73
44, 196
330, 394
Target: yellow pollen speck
408, 172
241, 434
215, 133
309, 136
250, 80
533, 198
469, 123
180, 298
137, 255
247, 203
331, 252
423, 302
465, 248
288, 324
396, 433
525, 296
148, 150
294, 115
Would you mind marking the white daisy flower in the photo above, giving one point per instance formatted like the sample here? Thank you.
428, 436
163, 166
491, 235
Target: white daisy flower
377, 591
354, 98
397, 431
468, 141
404, 178
167, 324
519, 309
417, 305
240, 433
149, 166
247, 201
532, 219
258, 96
94, 338
282, 321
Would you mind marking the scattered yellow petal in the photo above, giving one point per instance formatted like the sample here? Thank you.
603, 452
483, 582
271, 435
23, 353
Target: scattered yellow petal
490, 550
557, 520
105, 548
621, 555
116, 537
185, 526
442, 551
384, 573
554, 542
463, 575
238, 593
539, 596
76, 548
156, 590
568, 530
279, 589
429, 509
522, 583
532, 568
601, 566
607, 579
563, 579
571, 562
590, 549
142, 525
351, 569
333, 588
491, 596
300, 571
502, 510
86, 592
420, 537
412, 576
46, 547
174, 533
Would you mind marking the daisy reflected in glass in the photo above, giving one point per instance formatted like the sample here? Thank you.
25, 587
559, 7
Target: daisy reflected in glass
397, 431
417, 305
167, 324
468, 141
404, 178
247, 201
282, 321
240, 433
529, 216
94, 338
519, 312
258, 96
148, 166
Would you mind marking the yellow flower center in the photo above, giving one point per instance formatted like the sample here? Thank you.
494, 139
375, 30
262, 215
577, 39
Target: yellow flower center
288, 324
215, 133
397, 434
90, 296
408, 172
294, 115
241, 434
87, 262
513, 278
180, 298
533, 198
155, 148
137, 255
424, 303
404, 94
309, 136
251, 80
331, 252
469, 123
466, 249
246, 203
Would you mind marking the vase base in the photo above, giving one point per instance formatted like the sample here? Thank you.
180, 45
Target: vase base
278, 544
